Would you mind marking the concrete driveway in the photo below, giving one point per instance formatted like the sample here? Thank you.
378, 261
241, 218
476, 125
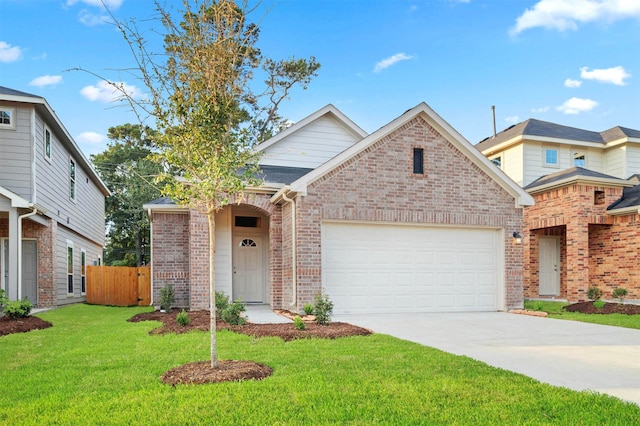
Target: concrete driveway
571, 354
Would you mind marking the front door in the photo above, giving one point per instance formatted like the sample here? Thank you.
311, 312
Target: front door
549, 266
248, 271
30, 270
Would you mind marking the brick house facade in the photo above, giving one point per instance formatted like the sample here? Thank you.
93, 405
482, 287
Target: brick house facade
374, 184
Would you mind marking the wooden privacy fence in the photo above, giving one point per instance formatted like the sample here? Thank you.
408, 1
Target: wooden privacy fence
119, 285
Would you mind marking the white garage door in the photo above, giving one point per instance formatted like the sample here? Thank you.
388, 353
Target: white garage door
400, 268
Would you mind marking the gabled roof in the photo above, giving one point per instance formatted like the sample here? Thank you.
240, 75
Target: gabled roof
543, 130
329, 109
43, 107
422, 110
573, 175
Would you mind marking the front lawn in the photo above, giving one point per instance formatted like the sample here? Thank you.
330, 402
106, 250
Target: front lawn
554, 309
93, 367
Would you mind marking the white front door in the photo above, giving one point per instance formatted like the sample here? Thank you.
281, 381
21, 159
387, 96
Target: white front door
248, 268
549, 248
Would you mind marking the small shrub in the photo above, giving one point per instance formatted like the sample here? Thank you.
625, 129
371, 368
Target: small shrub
323, 308
232, 313
183, 318
166, 297
3, 300
222, 302
594, 293
298, 323
308, 308
18, 308
537, 305
619, 293
599, 303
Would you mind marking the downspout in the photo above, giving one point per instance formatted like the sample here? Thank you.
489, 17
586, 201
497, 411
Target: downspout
294, 256
150, 254
35, 210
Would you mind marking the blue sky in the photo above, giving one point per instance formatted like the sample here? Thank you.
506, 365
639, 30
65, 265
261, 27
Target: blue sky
572, 62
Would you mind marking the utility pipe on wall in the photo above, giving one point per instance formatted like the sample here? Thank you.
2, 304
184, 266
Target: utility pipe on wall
35, 210
294, 256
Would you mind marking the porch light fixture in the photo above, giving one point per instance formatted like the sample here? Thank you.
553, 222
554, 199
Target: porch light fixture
517, 238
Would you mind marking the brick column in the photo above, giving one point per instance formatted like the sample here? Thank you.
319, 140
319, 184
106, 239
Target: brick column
577, 261
198, 261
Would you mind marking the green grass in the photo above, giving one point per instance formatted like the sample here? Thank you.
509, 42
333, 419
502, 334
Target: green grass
93, 367
555, 311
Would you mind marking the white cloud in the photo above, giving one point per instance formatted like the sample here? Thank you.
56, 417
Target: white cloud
577, 105
9, 53
46, 80
111, 4
567, 14
512, 119
391, 60
615, 75
110, 92
91, 20
541, 109
572, 83
91, 138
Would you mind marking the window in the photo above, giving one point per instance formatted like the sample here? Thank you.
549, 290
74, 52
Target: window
550, 157
418, 161
579, 159
83, 271
248, 242
497, 160
7, 118
247, 221
72, 179
47, 144
69, 267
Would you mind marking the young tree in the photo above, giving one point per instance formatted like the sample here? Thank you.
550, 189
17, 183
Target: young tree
206, 114
129, 173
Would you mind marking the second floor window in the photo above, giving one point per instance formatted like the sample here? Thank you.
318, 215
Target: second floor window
7, 118
418, 161
551, 157
72, 179
47, 144
579, 159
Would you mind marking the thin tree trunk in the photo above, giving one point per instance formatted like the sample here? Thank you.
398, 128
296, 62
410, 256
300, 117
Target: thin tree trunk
212, 286
139, 253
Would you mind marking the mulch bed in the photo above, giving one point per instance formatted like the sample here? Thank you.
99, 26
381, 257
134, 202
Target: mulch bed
21, 325
608, 308
200, 320
196, 373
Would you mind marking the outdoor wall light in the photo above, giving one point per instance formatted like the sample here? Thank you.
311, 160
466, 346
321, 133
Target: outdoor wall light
517, 238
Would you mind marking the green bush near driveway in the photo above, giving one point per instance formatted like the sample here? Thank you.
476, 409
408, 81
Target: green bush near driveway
93, 367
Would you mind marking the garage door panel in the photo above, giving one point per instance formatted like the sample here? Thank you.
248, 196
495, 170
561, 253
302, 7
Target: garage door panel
398, 268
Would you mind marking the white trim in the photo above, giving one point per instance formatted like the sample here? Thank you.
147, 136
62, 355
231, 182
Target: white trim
44, 143
83, 271
546, 148
624, 211
581, 179
448, 132
329, 109
16, 200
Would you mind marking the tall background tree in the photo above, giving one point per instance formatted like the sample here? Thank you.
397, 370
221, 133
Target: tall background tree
208, 114
129, 172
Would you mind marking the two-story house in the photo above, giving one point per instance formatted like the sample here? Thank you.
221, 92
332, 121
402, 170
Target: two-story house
584, 229
51, 205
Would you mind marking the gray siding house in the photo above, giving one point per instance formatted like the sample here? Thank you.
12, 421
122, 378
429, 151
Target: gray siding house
51, 205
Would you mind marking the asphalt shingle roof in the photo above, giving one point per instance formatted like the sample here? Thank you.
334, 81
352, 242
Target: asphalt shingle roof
13, 92
567, 173
280, 174
630, 198
533, 127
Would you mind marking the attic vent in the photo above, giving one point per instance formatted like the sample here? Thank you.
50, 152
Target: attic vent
598, 197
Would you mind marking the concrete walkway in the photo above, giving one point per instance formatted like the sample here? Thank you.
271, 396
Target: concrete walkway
262, 314
571, 354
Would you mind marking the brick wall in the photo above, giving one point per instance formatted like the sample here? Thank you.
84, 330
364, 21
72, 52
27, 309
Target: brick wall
379, 185
171, 255
596, 248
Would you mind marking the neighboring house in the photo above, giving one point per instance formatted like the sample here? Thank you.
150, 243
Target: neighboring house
51, 205
584, 229
411, 218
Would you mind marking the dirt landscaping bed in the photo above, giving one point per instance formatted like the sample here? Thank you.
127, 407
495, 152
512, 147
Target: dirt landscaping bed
608, 308
199, 320
21, 325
